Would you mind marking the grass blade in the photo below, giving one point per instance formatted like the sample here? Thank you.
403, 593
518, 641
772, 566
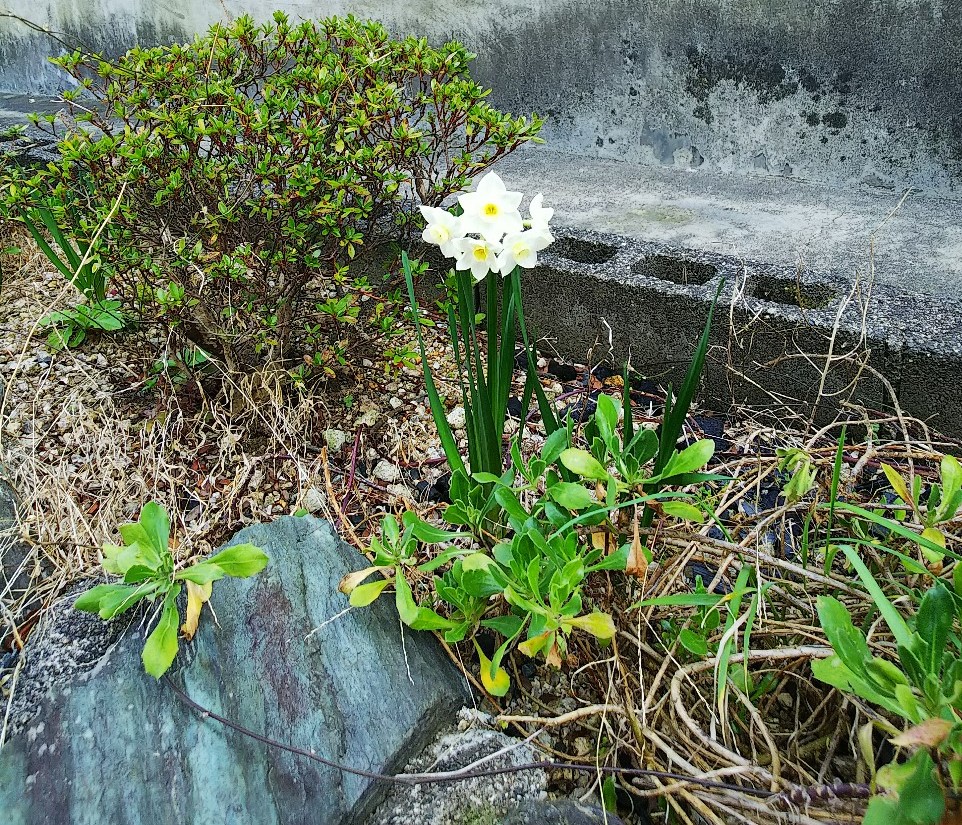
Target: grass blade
833, 490
900, 630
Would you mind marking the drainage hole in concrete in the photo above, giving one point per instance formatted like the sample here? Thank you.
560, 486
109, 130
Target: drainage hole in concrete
676, 270
792, 292
583, 252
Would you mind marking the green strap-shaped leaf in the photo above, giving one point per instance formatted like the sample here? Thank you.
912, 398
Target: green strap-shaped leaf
437, 408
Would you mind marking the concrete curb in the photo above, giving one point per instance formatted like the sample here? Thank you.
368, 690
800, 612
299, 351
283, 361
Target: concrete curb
616, 298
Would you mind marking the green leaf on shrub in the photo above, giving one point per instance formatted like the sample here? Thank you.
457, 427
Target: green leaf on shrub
201, 573
690, 459
108, 600
156, 526
918, 796
404, 600
693, 642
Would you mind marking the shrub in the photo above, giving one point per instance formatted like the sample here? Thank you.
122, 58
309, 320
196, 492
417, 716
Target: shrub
252, 166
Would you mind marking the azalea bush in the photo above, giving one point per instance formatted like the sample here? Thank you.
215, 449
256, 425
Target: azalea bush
237, 182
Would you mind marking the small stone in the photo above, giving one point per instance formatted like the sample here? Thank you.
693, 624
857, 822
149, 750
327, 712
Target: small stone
314, 500
401, 492
456, 418
368, 418
387, 472
334, 439
396, 403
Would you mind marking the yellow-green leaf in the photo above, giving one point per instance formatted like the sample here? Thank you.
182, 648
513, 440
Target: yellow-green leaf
683, 510
898, 484
535, 644
936, 536
364, 594
497, 682
197, 595
584, 464
599, 625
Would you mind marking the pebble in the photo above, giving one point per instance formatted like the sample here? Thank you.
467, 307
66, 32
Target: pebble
334, 439
396, 403
314, 500
368, 419
387, 472
456, 418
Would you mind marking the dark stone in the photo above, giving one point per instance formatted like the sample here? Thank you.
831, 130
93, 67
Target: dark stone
646, 387
562, 371
96, 740
521, 359
706, 572
603, 372
13, 553
438, 492
514, 407
713, 427
768, 497
580, 410
559, 812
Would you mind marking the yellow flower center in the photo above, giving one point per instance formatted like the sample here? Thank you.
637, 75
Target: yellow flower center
480, 253
491, 210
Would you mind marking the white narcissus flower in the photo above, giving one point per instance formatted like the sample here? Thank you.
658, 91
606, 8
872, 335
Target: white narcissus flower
443, 229
478, 255
540, 215
522, 248
491, 210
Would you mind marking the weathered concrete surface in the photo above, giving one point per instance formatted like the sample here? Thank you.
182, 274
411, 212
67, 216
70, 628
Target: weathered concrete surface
621, 298
98, 741
849, 91
907, 240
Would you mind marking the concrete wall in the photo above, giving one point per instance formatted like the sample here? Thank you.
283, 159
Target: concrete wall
864, 92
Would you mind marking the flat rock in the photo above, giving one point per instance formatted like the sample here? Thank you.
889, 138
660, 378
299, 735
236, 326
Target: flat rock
480, 800
558, 812
95, 740
19, 563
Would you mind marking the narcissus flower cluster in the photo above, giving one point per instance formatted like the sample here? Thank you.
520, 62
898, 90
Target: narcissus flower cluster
490, 234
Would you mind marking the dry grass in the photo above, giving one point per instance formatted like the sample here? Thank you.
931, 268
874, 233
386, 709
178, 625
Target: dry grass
86, 446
